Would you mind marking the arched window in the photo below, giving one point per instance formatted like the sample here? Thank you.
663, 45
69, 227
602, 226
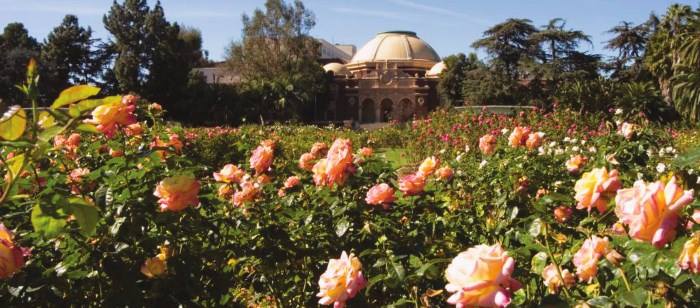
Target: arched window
387, 108
368, 111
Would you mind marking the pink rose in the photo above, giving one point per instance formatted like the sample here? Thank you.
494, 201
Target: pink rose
487, 144
481, 276
534, 140
553, 280
177, 193
518, 137
291, 182
428, 166
445, 173
587, 257
651, 210
412, 184
319, 149
575, 163
690, 255
380, 194
342, 280
261, 160
366, 152
11, 256
249, 191
338, 160
306, 161
230, 173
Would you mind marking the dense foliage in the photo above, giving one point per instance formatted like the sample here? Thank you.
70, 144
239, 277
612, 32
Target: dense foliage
104, 204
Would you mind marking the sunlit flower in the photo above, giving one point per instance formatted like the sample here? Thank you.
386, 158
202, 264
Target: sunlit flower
319, 171
319, 149
134, 129
261, 160
366, 152
587, 257
651, 210
412, 184
562, 213
155, 107
174, 141
575, 163
341, 281
661, 168
158, 265
689, 258
110, 117
338, 161
380, 194
225, 191
428, 166
596, 188
445, 173
230, 173
518, 136
177, 193
11, 256
115, 153
73, 141
534, 140
306, 161
628, 130
481, 276
249, 191
487, 144
291, 182
553, 280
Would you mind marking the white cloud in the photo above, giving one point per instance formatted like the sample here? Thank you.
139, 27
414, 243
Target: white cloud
442, 11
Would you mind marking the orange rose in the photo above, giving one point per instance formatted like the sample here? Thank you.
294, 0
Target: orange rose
230, 173
553, 280
690, 255
109, 117
445, 173
174, 141
481, 276
249, 191
534, 140
587, 257
575, 163
380, 194
11, 256
177, 193
652, 210
319, 149
366, 152
306, 161
338, 160
133, 130
73, 140
261, 160
412, 184
342, 280
487, 144
428, 166
158, 265
596, 188
518, 137
291, 182
319, 170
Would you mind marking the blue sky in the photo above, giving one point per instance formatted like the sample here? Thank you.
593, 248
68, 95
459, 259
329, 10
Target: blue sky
450, 26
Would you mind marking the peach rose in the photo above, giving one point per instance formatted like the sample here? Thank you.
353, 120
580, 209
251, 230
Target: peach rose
553, 281
11, 256
291, 182
319, 170
487, 144
534, 140
319, 149
575, 163
342, 281
366, 152
158, 265
249, 191
518, 137
306, 161
562, 213
596, 188
177, 193
155, 107
224, 191
651, 210
230, 173
587, 257
412, 184
59, 141
428, 166
261, 160
380, 194
174, 141
481, 276
628, 130
109, 117
445, 173
690, 255
133, 130
73, 141
696, 216
338, 160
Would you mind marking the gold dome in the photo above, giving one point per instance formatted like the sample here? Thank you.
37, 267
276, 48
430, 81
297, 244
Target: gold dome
336, 68
396, 45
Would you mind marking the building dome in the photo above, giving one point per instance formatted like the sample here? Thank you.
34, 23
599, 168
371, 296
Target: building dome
396, 45
336, 68
436, 69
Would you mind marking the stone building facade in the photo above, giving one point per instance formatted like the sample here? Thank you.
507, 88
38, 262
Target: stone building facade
391, 78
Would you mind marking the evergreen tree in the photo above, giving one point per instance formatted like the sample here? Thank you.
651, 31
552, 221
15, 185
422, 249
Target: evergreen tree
67, 57
16, 48
132, 43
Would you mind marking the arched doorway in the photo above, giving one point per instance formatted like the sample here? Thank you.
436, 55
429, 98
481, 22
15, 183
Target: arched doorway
407, 110
387, 108
368, 111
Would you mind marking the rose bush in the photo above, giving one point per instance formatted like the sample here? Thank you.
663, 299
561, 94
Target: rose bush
143, 213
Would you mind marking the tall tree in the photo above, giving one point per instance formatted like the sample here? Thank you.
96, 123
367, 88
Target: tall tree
277, 58
508, 43
132, 44
16, 48
630, 42
452, 78
68, 57
558, 41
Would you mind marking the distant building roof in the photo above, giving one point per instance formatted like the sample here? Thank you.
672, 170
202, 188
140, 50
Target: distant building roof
340, 52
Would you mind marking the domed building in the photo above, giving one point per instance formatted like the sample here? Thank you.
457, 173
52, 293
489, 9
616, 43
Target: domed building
392, 77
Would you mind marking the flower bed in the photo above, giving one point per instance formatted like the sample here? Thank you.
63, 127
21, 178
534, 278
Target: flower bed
103, 205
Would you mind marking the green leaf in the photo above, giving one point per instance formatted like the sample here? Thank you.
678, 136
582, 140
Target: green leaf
74, 94
634, 298
16, 164
46, 120
90, 104
49, 133
536, 228
85, 213
13, 123
48, 222
539, 261
87, 128
342, 227
400, 271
